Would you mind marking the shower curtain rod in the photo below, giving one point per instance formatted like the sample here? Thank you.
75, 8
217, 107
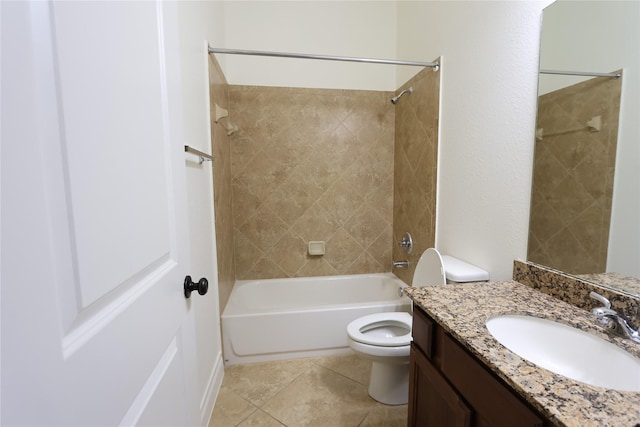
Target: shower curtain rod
580, 73
434, 65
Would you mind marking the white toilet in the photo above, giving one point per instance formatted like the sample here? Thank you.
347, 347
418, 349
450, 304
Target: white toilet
385, 338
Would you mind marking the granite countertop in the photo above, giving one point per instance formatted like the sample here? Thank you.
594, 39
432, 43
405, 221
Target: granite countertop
463, 309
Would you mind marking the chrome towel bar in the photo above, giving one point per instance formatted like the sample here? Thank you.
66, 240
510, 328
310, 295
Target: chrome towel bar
204, 157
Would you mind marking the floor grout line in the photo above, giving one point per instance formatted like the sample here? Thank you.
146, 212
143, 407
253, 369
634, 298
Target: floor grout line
372, 413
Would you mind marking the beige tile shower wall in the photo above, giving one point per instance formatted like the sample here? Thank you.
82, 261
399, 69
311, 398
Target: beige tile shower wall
415, 165
573, 177
218, 90
307, 165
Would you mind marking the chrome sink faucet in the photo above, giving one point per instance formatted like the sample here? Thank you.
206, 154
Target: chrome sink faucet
610, 319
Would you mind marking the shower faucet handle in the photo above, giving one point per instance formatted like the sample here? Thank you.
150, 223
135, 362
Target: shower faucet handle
406, 243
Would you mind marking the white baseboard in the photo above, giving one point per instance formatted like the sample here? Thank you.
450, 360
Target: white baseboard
211, 393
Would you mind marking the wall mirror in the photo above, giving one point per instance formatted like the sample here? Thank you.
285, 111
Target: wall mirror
585, 207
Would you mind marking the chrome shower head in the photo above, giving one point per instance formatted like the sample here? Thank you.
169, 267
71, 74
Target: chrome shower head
394, 100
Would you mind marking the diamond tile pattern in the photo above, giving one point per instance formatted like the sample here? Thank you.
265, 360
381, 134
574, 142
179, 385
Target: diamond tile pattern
573, 177
311, 164
415, 167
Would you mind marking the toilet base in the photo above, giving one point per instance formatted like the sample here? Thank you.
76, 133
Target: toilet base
389, 383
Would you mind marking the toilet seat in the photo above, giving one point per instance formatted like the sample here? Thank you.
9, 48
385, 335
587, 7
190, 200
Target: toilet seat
430, 269
385, 338
357, 329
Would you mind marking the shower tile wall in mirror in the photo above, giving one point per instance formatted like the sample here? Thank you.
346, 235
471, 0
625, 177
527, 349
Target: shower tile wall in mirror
586, 179
573, 176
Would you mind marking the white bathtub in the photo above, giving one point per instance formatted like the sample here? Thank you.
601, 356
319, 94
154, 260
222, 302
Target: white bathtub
302, 317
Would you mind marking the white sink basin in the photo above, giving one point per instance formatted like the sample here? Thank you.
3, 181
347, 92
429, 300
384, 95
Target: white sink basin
567, 351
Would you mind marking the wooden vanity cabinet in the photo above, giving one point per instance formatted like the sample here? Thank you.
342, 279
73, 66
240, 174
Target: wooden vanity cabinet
448, 386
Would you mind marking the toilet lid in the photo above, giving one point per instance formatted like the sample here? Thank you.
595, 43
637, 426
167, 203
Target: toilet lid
430, 269
357, 330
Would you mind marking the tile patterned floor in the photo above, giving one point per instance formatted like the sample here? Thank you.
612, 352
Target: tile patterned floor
317, 392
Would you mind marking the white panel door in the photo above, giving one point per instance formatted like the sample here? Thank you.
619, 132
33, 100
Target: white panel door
95, 327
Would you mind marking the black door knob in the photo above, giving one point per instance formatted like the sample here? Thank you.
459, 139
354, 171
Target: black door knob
202, 286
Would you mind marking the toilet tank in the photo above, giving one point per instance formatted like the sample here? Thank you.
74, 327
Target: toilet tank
458, 271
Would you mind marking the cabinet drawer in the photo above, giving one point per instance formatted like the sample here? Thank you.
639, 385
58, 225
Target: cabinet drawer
422, 331
491, 400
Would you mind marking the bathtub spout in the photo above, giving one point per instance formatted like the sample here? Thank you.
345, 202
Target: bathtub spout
400, 264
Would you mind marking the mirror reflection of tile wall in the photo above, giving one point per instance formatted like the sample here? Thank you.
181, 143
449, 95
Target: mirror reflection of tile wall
573, 176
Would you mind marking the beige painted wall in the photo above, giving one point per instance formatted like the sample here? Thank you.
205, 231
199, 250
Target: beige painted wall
343, 28
200, 21
487, 120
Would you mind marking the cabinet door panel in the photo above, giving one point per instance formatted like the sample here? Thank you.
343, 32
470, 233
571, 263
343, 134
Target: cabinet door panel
432, 401
492, 402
